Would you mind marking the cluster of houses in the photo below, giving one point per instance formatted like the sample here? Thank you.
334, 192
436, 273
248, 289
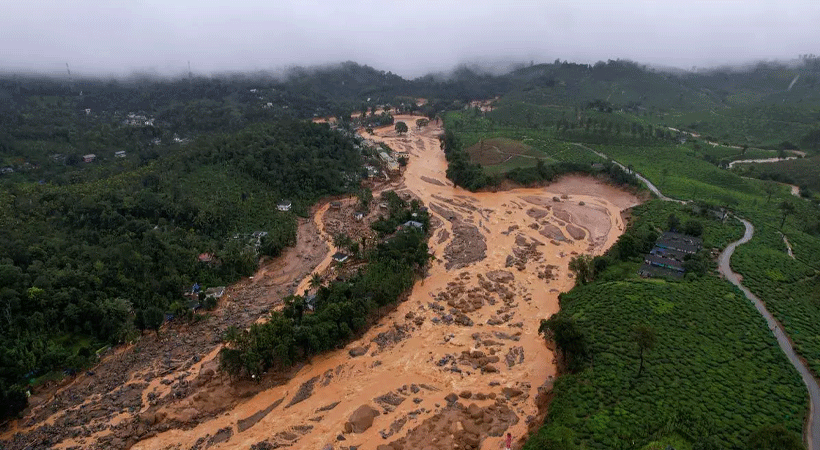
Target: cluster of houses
136, 120
91, 157
666, 258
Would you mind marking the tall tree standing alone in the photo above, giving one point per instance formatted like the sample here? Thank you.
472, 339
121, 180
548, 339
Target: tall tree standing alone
786, 208
401, 127
645, 338
770, 188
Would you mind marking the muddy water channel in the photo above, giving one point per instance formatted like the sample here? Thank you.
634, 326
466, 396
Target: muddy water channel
468, 328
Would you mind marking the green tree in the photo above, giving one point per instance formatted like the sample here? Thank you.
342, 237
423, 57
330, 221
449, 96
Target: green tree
770, 188
315, 280
774, 437
401, 127
786, 209
569, 339
365, 196
672, 223
583, 268
693, 228
153, 317
644, 336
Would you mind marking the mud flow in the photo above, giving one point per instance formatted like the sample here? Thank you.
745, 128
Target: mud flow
457, 365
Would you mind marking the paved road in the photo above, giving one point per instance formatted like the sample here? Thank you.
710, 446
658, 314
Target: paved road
645, 181
812, 432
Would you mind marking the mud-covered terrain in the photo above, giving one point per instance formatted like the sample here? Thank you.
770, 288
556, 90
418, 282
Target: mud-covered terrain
456, 366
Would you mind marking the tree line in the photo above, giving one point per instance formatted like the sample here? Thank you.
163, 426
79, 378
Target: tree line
340, 311
95, 262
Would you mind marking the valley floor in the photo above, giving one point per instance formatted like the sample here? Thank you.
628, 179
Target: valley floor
457, 365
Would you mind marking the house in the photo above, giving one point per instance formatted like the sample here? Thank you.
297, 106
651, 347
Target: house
649, 271
340, 257
89, 157
358, 215
256, 238
6, 170
667, 257
119, 154
310, 302
679, 242
284, 205
372, 172
413, 224
206, 257
389, 162
215, 292
666, 263
668, 253
259, 234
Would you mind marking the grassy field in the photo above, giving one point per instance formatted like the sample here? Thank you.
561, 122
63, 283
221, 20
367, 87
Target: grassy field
500, 148
714, 375
498, 155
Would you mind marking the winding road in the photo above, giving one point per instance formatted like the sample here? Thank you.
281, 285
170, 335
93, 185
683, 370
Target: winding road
811, 434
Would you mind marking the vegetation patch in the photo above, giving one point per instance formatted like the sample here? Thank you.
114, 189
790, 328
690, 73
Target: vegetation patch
702, 346
494, 151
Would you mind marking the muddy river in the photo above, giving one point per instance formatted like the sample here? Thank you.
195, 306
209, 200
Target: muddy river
457, 365
469, 328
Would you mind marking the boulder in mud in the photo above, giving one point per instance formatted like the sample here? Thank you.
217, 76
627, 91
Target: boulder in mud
357, 351
489, 368
361, 419
510, 392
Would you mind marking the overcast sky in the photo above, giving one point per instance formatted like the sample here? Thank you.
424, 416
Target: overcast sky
409, 37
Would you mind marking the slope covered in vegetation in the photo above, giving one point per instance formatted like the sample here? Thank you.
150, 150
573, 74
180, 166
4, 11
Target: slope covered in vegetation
84, 261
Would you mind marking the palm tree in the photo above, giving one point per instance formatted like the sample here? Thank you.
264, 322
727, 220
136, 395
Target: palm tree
315, 280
